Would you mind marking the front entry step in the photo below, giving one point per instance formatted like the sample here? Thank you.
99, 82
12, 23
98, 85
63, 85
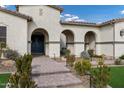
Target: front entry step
48, 73
58, 80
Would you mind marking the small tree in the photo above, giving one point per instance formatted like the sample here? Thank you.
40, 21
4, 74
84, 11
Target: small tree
82, 66
101, 75
70, 60
22, 77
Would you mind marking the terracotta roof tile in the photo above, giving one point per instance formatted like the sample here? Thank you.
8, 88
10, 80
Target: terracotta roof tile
78, 23
92, 24
16, 13
56, 7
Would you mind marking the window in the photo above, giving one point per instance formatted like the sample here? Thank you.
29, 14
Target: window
2, 34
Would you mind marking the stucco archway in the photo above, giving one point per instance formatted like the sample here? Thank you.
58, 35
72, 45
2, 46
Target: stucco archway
67, 40
39, 42
90, 41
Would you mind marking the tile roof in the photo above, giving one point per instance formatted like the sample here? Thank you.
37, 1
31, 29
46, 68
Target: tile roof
92, 24
77, 23
56, 7
15, 13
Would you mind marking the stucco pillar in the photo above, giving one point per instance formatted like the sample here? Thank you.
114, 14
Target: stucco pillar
54, 49
79, 47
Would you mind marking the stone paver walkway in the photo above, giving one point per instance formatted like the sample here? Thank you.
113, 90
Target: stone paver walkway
49, 73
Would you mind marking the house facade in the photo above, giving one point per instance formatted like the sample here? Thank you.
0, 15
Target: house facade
38, 29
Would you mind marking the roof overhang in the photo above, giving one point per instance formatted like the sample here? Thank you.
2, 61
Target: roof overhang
15, 13
56, 7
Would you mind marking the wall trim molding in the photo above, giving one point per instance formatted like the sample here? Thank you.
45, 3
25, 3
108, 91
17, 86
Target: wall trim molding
111, 42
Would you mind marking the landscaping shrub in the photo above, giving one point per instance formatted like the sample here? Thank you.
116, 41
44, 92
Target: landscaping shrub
82, 66
118, 61
70, 60
101, 76
22, 77
11, 54
121, 57
85, 55
98, 56
2, 45
91, 52
23, 64
65, 52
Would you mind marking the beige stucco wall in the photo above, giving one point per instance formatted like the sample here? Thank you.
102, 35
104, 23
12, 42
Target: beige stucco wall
79, 34
16, 31
106, 36
49, 20
119, 45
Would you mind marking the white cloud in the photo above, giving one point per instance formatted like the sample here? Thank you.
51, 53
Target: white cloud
67, 15
81, 20
122, 12
75, 17
2, 5
61, 16
70, 17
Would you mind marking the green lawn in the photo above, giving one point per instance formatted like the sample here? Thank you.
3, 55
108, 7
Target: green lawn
117, 77
3, 80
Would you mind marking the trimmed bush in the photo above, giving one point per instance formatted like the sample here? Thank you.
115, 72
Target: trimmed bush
98, 56
70, 60
91, 52
2, 45
118, 61
23, 64
65, 52
11, 54
82, 66
101, 76
22, 77
121, 57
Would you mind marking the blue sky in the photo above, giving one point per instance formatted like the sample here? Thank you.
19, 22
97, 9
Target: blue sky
89, 13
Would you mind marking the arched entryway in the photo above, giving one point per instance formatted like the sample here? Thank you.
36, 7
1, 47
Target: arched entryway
90, 41
67, 40
39, 41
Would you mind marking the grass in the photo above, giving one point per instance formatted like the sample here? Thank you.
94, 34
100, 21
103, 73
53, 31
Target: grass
117, 77
4, 79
